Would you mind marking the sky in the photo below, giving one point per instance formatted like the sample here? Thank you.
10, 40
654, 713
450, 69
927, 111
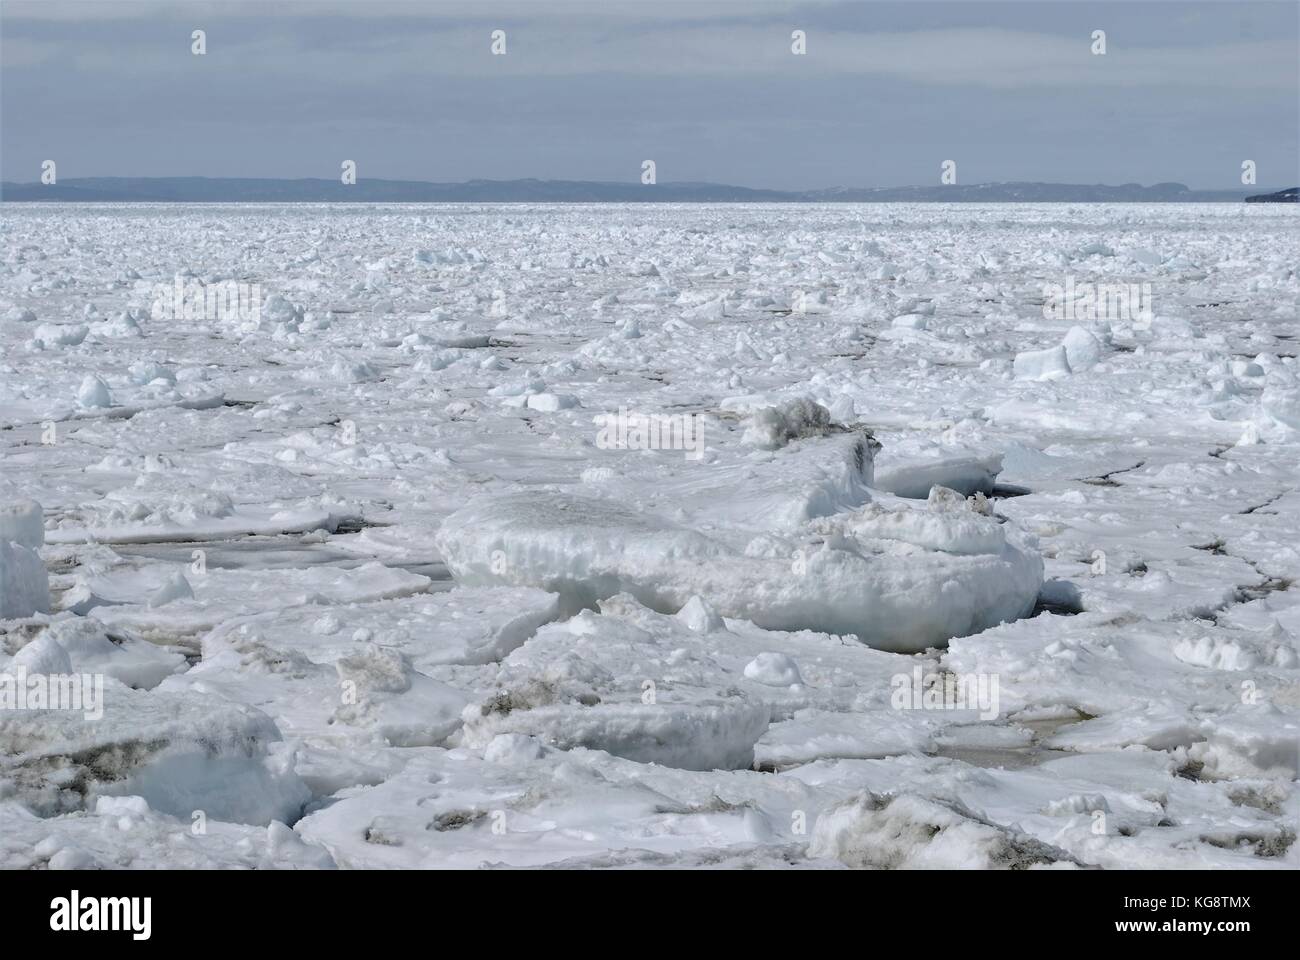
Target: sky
710, 91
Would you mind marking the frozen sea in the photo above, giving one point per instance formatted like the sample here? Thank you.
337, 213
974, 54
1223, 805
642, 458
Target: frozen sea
651, 535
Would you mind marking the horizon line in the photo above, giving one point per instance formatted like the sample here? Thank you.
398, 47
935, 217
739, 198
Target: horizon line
665, 183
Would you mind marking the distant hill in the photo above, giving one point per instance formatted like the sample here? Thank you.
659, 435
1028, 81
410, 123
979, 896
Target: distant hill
1030, 192
250, 190
1289, 195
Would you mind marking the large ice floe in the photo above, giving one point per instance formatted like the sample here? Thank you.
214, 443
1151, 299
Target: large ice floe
687, 536
801, 548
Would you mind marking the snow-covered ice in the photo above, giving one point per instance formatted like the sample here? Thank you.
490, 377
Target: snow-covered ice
650, 535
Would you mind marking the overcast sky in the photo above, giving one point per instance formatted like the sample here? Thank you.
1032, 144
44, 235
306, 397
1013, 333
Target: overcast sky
708, 90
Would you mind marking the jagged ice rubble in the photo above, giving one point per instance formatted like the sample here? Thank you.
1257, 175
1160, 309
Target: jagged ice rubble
649, 535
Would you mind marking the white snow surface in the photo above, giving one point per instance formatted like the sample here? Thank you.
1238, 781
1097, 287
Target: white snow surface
364, 584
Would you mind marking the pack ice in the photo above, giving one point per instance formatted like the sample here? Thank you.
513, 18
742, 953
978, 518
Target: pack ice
687, 536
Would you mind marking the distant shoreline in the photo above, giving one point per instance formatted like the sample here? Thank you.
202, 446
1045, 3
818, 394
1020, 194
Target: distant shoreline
254, 190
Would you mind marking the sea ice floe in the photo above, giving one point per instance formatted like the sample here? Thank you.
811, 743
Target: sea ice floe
901, 577
635, 683
467, 626
75, 644
913, 469
181, 753
151, 600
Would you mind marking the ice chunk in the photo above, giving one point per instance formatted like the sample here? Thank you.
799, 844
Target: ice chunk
513, 748
180, 754
773, 669
1146, 256
1082, 349
426, 715
1050, 364
911, 832
551, 402
599, 682
1250, 741
24, 584
125, 833
1278, 415
45, 656
699, 615
93, 393
131, 660
810, 302
773, 427
698, 736
60, 334
22, 522
143, 372
177, 588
